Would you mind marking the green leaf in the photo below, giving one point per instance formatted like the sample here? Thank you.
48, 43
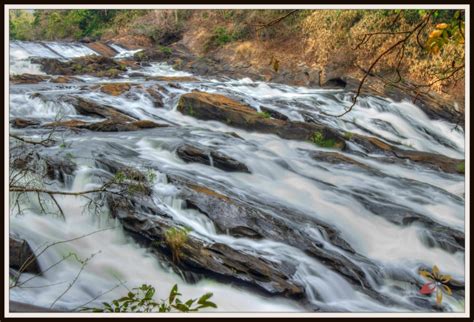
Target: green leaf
149, 294
205, 297
173, 293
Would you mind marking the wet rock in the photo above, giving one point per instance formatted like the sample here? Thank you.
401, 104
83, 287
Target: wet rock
115, 89
156, 96
275, 114
214, 259
28, 308
255, 219
28, 79
137, 75
209, 157
65, 79
20, 123
102, 48
50, 167
130, 64
22, 256
441, 236
111, 125
184, 79
68, 123
91, 65
217, 107
89, 108
395, 154
336, 158
114, 126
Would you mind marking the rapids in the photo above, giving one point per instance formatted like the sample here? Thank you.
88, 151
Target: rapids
282, 172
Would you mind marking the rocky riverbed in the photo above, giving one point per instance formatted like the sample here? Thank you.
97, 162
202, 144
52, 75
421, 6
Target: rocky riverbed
286, 207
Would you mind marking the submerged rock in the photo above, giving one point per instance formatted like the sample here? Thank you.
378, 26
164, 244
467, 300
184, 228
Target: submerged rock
209, 157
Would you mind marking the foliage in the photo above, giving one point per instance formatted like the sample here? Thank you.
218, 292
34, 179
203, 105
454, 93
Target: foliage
21, 24
175, 238
319, 139
220, 37
438, 284
264, 114
133, 181
140, 299
166, 50
444, 33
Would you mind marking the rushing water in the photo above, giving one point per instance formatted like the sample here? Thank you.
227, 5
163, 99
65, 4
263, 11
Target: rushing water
282, 172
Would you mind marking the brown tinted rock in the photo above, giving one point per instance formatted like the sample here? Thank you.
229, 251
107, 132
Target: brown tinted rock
115, 89
28, 79
157, 97
64, 79
102, 49
22, 123
207, 106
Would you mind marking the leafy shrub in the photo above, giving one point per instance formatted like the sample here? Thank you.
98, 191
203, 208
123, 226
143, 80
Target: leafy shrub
140, 299
220, 37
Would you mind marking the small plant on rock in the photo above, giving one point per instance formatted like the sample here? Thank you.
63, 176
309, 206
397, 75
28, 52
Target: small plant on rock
265, 115
175, 238
319, 139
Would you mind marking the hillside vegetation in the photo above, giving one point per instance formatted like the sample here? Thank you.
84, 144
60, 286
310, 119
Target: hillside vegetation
336, 42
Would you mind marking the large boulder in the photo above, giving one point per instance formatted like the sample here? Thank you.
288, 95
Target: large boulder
147, 221
207, 106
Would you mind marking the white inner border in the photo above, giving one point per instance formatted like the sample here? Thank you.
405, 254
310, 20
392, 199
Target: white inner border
269, 314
